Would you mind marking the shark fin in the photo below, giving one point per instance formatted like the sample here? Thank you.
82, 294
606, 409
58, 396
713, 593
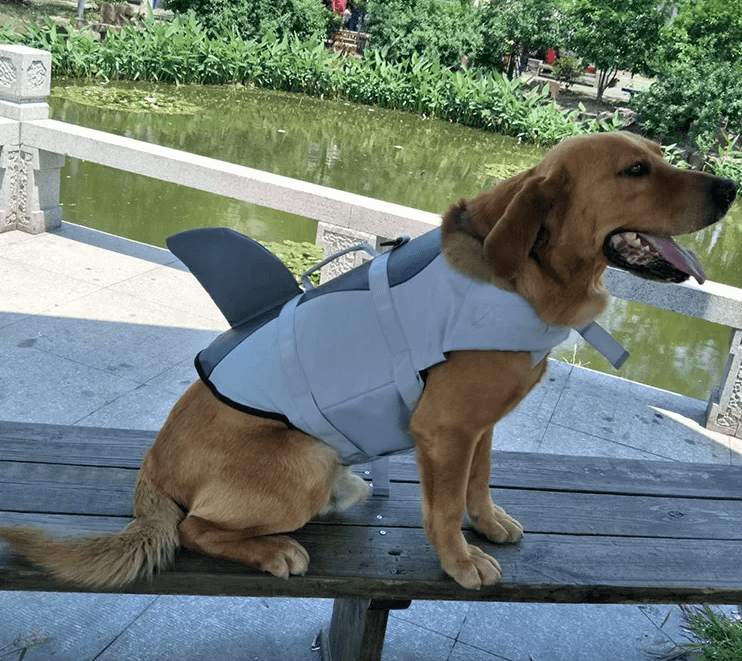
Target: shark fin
241, 276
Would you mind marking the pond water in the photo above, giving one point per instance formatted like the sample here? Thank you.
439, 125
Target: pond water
398, 157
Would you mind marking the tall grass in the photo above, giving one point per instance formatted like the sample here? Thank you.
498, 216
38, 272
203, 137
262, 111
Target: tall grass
181, 51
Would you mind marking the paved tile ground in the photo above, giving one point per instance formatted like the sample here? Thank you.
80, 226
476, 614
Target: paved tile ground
100, 331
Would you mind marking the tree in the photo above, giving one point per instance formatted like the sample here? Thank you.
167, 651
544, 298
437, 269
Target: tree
439, 30
515, 26
614, 34
692, 98
705, 29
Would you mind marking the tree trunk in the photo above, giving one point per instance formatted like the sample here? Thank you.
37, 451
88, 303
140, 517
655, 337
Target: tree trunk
604, 77
512, 64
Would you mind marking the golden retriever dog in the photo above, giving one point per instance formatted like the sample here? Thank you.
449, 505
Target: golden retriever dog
231, 485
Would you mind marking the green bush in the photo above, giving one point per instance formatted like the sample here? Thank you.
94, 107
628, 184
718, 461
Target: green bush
439, 30
567, 70
252, 19
703, 29
510, 26
692, 98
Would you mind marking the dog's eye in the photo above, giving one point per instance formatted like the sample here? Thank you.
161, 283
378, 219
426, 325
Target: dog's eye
638, 169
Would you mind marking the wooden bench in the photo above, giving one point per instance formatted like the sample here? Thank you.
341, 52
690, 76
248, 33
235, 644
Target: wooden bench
348, 43
539, 67
597, 531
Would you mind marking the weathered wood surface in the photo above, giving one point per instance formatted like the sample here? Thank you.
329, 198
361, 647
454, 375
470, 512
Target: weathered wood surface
91, 446
597, 530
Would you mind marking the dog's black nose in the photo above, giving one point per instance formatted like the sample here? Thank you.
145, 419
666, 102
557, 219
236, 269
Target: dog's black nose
723, 192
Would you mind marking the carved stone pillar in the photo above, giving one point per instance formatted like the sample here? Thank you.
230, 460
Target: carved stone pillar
724, 412
333, 238
29, 178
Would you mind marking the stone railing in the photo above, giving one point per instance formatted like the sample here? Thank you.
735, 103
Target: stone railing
33, 149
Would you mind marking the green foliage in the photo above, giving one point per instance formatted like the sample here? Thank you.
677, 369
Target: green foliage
567, 69
614, 34
728, 162
507, 25
334, 23
529, 22
692, 98
721, 638
439, 30
7, 34
181, 51
252, 19
21, 644
298, 257
494, 38
675, 155
704, 29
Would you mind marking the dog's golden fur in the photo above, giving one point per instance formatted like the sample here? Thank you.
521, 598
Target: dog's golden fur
232, 485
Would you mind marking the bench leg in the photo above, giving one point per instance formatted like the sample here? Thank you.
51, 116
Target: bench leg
357, 629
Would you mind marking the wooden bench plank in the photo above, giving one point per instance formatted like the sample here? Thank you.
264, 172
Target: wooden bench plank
355, 562
86, 490
64, 444
124, 448
64, 489
95, 491
575, 513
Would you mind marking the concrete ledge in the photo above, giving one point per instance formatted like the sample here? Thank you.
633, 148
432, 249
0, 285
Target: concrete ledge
23, 111
236, 181
712, 301
10, 132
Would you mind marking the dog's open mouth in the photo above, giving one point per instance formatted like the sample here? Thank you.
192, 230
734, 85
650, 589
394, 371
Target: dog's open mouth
652, 257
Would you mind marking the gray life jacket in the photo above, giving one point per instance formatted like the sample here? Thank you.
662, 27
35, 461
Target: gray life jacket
345, 361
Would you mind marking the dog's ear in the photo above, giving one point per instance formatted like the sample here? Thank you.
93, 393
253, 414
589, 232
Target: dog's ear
514, 234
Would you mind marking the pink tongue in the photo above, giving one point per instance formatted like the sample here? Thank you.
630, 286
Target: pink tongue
681, 258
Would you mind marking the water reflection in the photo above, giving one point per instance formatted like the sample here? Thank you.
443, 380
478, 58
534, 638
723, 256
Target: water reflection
388, 155
392, 156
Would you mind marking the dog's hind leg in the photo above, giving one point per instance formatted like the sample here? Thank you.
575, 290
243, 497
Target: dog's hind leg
489, 519
244, 481
279, 555
261, 545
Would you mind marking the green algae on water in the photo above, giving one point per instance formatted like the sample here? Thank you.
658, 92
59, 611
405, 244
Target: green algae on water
152, 101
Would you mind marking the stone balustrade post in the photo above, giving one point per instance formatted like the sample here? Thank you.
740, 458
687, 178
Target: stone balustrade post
29, 177
724, 412
333, 238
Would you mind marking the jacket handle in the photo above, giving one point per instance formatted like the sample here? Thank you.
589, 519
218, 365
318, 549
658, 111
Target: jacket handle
307, 283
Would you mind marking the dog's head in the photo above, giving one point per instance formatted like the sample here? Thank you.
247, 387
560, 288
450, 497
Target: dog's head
550, 232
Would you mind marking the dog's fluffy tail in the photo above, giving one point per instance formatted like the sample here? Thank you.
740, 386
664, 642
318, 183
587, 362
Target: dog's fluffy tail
146, 544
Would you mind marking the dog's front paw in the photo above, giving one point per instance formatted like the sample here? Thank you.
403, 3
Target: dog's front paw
474, 569
497, 525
